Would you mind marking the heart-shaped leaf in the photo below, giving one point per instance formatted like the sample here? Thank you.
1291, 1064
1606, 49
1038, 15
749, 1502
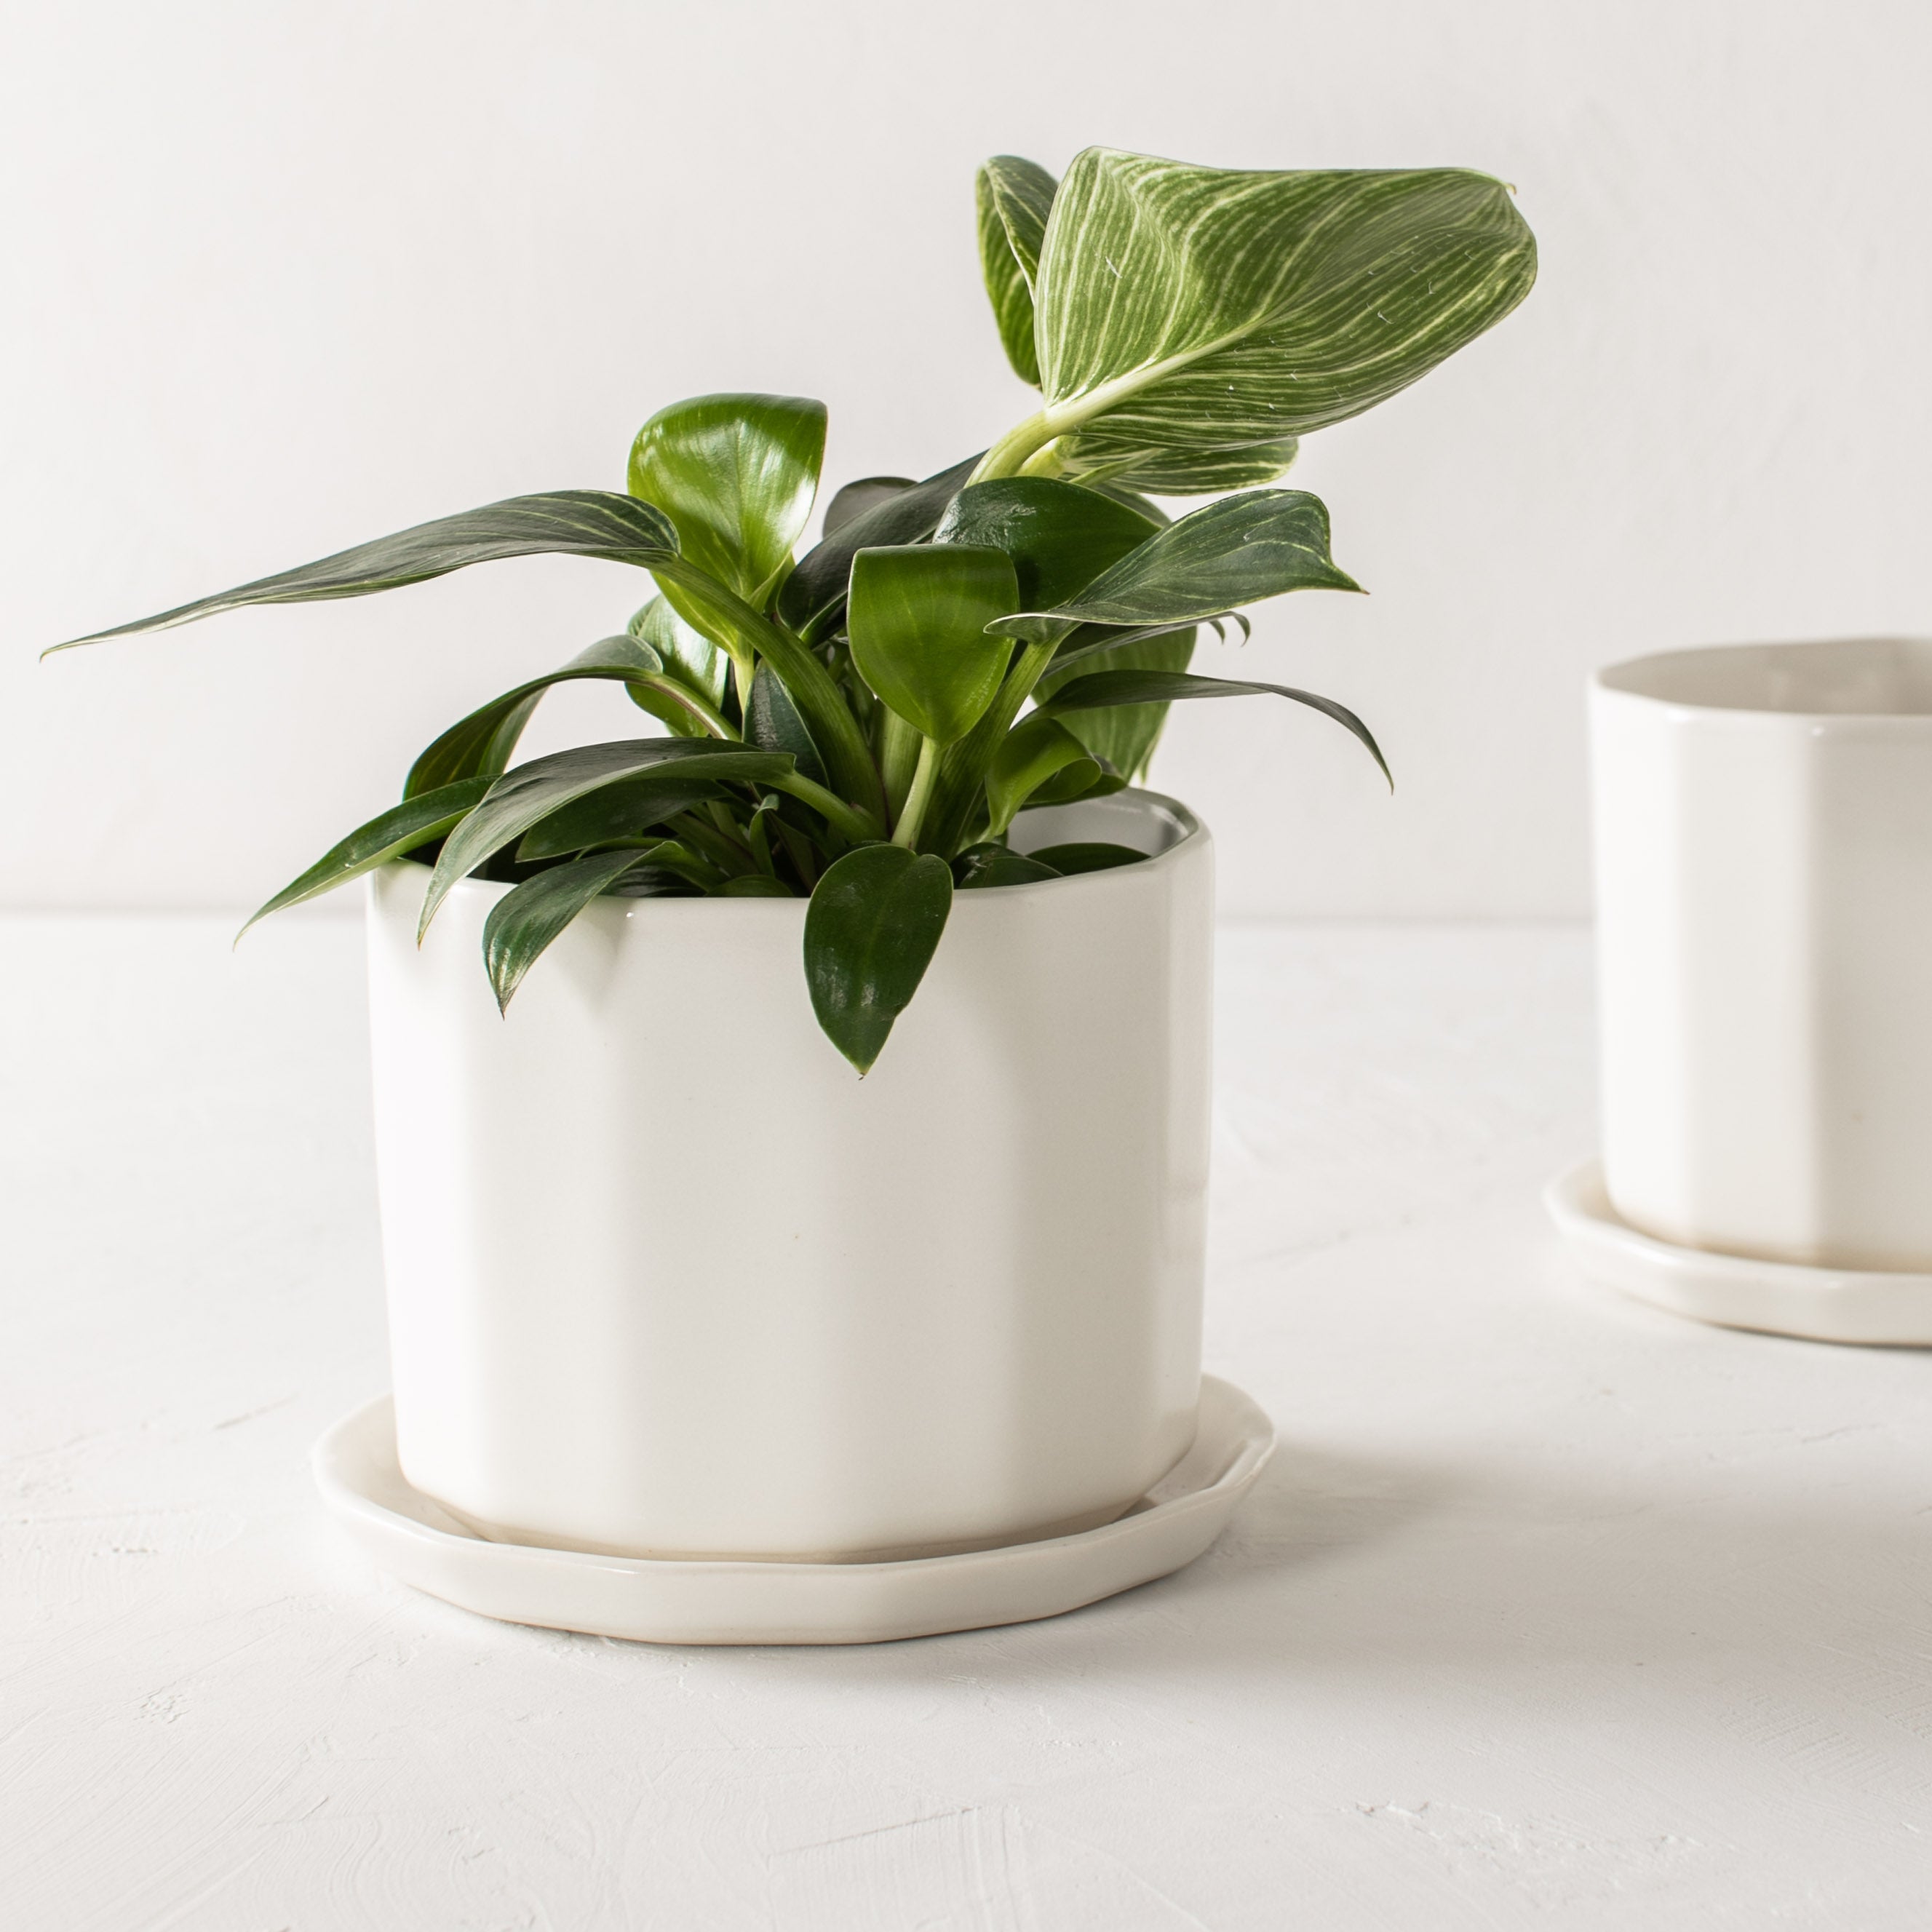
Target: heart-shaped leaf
814, 595
1237, 551
1204, 311
1014, 199
1059, 536
1101, 688
737, 474
528, 916
390, 834
520, 798
574, 523
871, 930
917, 618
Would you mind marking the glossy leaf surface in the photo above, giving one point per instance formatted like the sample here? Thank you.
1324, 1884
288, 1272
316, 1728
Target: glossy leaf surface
814, 593
528, 916
871, 930
736, 474
484, 742
1125, 735
917, 620
391, 835
520, 798
1101, 688
1205, 310
575, 523
1036, 749
861, 496
1059, 536
1013, 198
773, 723
622, 810
689, 656
1237, 551
980, 868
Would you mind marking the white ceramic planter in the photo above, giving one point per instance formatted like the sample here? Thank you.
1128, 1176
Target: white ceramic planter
1763, 827
666, 1278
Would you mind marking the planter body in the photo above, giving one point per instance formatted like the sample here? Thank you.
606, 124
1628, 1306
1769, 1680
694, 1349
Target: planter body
1763, 829
666, 1277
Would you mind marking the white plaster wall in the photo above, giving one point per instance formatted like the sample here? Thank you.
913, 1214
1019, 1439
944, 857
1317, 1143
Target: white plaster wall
279, 277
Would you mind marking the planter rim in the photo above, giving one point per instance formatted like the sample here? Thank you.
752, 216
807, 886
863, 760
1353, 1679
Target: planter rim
1154, 804
1647, 680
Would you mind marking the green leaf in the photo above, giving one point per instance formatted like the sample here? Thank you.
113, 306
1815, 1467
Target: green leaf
574, 523
689, 656
528, 916
1102, 452
1243, 548
1060, 537
389, 835
773, 723
1124, 735
483, 742
1088, 777
1101, 688
1086, 857
520, 798
814, 595
861, 496
1203, 311
1014, 198
619, 811
737, 474
871, 930
980, 868
918, 619
755, 886
1036, 749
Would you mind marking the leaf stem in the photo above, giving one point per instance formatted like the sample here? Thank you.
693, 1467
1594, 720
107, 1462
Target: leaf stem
924, 776
857, 825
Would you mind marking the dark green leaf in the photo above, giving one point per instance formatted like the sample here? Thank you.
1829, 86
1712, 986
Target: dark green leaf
484, 742
520, 798
1087, 778
574, 523
871, 930
772, 724
619, 811
391, 835
1101, 689
1085, 856
755, 886
1014, 199
918, 619
1243, 548
528, 916
861, 496
737, 474
814, 593
1124, 735
981, 867
1059, 536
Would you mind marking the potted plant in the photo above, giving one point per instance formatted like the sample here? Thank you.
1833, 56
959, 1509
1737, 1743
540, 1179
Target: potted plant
665, 1277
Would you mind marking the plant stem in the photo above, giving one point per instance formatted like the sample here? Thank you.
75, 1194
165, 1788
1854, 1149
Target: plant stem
923, 776
859, 826
898, 759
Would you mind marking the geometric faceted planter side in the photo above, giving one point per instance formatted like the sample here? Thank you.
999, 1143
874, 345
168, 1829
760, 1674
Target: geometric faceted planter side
665, 1278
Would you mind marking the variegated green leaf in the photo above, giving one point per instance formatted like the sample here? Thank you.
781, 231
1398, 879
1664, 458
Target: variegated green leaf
1204, 311
1014, 198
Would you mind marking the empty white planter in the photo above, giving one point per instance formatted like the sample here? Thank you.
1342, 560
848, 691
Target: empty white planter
1763, 827
666, 1277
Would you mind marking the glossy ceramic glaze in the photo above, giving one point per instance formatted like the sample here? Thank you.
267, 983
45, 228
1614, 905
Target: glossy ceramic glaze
666, 1277
1763, 829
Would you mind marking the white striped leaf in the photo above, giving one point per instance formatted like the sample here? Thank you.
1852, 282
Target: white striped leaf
1015, 198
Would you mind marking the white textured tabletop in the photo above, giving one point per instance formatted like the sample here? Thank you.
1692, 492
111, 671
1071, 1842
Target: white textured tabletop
1551, 1611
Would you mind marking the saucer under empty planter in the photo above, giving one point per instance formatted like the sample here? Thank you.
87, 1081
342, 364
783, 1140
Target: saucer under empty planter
1819, 1304
659, 1600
